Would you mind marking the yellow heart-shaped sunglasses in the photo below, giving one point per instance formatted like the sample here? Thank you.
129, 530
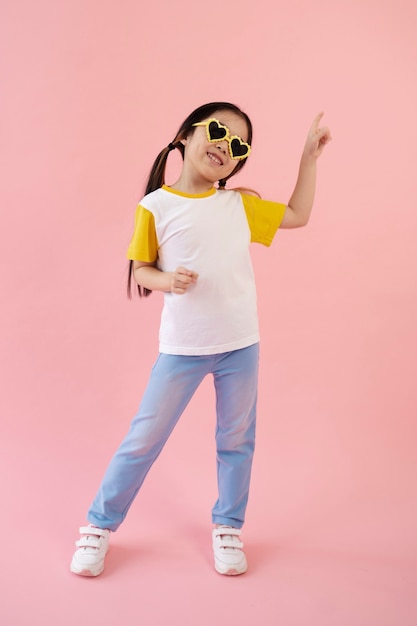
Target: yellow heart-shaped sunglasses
238, 149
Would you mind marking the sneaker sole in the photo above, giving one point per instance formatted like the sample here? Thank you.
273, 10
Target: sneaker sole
75, 569
230, 571
86, 572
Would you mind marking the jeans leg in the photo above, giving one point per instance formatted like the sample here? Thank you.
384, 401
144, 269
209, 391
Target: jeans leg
172, 384
236, 383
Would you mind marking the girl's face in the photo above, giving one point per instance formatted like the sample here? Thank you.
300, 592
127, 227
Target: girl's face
211, 160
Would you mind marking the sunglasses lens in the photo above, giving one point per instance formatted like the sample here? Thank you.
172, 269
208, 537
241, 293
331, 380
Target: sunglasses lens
238, 148
216, 132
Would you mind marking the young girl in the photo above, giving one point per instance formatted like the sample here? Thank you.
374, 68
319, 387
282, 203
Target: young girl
191, 241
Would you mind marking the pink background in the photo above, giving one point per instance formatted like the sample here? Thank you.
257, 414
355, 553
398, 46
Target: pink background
91, 91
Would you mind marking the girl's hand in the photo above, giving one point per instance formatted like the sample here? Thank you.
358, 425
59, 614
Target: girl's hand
317, 138
182, 279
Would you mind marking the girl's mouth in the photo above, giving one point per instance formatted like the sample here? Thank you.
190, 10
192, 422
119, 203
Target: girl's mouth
215, 158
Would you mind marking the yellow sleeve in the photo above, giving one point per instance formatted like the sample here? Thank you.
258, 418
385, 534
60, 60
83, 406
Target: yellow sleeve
144, 243
264, 218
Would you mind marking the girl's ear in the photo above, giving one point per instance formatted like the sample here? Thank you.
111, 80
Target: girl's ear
184, 141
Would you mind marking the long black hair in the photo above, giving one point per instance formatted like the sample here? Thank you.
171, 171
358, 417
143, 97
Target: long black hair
157, 174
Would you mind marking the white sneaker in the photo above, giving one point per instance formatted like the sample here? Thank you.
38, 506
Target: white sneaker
93, 546
229, 558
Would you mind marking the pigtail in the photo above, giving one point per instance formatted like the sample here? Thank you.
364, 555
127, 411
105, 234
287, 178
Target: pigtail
245, 190
155, 181
157, 174
142, 291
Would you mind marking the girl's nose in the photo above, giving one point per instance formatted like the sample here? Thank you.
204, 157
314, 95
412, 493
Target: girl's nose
222, 146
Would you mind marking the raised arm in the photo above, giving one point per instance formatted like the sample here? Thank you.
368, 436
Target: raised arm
301, 202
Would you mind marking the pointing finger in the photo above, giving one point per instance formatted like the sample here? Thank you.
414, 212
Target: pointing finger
316, 121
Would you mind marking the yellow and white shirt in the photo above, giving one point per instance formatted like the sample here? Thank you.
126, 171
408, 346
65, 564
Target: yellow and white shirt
210, 234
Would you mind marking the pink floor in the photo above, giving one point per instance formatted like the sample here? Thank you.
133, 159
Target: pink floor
321, 550
158, 575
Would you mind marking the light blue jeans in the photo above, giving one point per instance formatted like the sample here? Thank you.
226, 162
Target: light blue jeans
173, 381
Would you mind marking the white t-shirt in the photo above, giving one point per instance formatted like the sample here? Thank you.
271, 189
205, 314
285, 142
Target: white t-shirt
210, 234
